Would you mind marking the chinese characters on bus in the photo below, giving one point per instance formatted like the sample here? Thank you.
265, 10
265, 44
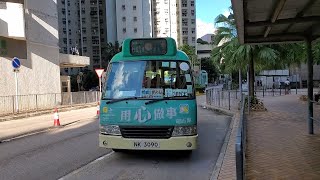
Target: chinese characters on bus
144, 114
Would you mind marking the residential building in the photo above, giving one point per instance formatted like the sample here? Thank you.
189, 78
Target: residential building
208, 38
186, 14
82, 30
128, 19
36, 46
151, 18
165, 18
204, 50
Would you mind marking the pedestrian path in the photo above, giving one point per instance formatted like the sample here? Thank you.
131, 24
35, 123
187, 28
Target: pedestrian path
278, 143
13, 128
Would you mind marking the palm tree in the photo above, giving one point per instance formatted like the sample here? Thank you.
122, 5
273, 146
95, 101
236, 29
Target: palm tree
110, 50
235, 56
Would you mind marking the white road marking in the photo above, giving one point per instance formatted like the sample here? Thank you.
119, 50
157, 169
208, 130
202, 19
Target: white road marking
85, 166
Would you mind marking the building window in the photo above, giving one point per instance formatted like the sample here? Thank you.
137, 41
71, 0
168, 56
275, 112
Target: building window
193, 39
192, 3
123, 19
135, 19
134, 7
123, 7
135, 30
192, 12
193, 30
193, 21
124, 30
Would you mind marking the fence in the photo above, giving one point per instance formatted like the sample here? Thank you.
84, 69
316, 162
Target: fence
240, 145
261, 92
37, 102
223, 99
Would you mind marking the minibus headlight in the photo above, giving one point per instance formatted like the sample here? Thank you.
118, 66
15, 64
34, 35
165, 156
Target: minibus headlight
184, 131
110, 130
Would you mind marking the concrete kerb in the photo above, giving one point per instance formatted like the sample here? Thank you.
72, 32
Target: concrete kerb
219, 162
43, 112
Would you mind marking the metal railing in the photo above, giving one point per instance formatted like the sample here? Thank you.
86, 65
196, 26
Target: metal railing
240, 144
227, 99
37, 102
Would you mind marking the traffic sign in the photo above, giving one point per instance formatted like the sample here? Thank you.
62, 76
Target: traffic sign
99, 72
16, 63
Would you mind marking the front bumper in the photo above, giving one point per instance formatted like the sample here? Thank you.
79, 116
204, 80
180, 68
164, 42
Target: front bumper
173, 143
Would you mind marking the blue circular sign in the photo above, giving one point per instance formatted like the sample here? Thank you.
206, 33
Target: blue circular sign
16, 63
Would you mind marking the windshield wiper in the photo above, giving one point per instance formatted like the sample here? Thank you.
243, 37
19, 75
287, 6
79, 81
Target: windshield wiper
157, 100
123, 99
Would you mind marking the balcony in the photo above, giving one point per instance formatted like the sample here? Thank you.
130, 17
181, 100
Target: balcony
68, 60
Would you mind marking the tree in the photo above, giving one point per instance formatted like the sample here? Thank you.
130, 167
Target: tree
234, 56
190, 51
210, 67
110, 51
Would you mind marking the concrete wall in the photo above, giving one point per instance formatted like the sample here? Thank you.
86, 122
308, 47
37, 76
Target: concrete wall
12, 20
40, 72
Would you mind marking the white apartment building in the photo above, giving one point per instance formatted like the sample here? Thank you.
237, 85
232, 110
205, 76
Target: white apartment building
128, 19
186, 12
29, 31
82, 26
165, 18
151, 18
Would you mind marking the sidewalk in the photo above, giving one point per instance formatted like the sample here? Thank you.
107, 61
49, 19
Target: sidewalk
278, 143
26, 114
14, 128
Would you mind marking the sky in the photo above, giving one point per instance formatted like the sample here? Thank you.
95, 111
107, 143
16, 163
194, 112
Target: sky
207, 11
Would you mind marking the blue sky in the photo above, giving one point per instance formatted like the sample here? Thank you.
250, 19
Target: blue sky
206, 11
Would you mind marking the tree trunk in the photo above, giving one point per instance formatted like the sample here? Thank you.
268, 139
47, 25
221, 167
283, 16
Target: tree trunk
251, 74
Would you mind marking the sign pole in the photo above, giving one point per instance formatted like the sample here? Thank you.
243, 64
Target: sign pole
100, 86
17, 92
99, 73
16, 65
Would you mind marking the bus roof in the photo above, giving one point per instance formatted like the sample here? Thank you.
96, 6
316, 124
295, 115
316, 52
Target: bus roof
171, 52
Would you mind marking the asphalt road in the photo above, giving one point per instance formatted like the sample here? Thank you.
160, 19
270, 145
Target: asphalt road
72, 152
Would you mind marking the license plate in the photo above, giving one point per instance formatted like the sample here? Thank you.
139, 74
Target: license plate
146, 144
